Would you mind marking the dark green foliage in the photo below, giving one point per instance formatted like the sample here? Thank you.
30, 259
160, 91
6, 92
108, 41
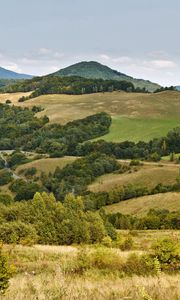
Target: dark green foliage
30, 172
2, 163
24, 190
75, 177
5, 177
17, 158
8, 101
155, 219
67, 85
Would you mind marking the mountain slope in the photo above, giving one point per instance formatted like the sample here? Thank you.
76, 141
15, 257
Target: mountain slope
94, 69
7, 74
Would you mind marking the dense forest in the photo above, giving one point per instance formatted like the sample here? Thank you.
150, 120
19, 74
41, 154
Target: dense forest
22, 129
68, 85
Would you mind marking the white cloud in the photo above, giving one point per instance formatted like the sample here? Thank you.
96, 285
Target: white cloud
12, 67
160, 64
118, 59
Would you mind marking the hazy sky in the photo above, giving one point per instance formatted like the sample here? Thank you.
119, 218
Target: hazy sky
136, 37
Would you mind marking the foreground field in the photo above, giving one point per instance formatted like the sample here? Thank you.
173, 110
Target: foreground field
136, 116
41, 273
140, 206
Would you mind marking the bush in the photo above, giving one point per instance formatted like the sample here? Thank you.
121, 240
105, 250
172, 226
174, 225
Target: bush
8, 101
30, 172
107, 241
6, 199
5, 273
103, 258
5, 177
17, 232
127, 244
139, 265
167, 251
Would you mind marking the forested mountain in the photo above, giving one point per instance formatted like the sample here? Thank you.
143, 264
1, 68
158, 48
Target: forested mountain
7, 74
95, 70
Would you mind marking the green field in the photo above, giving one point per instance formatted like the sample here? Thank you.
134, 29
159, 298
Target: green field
123, 128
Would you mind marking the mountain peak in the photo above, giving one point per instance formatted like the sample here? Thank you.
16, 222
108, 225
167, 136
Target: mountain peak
96, 70
7, 74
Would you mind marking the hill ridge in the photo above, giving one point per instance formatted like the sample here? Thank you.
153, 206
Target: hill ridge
96, 70
8, 74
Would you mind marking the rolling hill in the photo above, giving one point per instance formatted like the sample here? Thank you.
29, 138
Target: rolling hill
135, 116
7, 74
140, 206
95, 70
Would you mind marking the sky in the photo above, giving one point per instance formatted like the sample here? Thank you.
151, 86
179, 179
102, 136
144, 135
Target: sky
136, 37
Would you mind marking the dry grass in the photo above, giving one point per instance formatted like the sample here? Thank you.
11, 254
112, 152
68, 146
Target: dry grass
148, 175
141, 206
63, 108
14, 97
57, 286
47, 164
40, 275
136, 116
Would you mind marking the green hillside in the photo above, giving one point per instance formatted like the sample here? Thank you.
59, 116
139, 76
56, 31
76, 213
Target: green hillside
94, 70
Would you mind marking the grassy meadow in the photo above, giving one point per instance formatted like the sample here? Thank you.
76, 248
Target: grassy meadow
141, 206
50, 272
146, 175
136, 116
46, 165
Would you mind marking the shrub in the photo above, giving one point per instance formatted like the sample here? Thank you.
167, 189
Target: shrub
6, 199
17, 232
107, 241
5, 273
139, 265
103, 258
8, 101
127, 244
30, 172
167, 251
5, 177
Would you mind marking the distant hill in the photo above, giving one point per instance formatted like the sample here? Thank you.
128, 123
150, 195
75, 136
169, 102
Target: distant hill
96, 70
7, 74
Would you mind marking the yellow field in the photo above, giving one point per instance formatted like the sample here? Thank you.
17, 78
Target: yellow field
40, 273
140, 206
47, 165
64, 108
147, 175
13, 97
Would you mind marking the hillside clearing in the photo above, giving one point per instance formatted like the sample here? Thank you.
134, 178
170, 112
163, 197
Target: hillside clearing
147, 175
141, 206
47, 165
